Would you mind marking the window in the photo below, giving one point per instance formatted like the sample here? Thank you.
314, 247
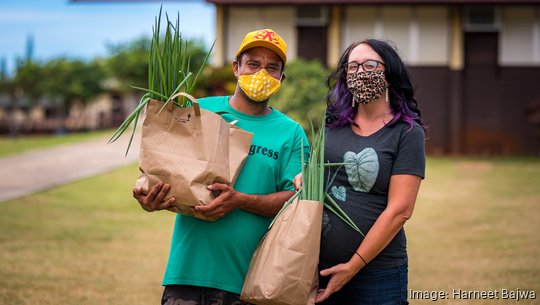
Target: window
481, 19
311, 15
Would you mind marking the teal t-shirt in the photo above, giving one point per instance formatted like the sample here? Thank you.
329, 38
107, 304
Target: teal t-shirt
217, 254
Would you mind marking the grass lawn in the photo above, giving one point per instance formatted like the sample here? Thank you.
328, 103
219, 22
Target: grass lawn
17, 145
87, 242
475, 227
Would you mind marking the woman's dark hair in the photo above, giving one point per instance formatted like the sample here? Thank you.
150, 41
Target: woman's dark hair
340, 111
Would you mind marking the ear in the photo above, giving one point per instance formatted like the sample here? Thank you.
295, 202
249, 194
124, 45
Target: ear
235, 68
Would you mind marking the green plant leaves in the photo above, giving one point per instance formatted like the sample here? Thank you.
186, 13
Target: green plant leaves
169, 72
313, 185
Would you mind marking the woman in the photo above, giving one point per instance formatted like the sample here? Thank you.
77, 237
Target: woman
374, 127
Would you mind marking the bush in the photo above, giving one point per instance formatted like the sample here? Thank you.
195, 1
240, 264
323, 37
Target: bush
303, 93
216, 81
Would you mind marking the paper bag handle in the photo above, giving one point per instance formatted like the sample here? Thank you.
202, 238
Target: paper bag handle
196, 106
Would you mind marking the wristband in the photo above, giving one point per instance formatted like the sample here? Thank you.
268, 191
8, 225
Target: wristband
360, 256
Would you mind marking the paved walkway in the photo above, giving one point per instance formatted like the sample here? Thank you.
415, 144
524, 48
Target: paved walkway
43, 169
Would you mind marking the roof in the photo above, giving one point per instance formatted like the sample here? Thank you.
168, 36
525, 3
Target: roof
131, 1
443, 2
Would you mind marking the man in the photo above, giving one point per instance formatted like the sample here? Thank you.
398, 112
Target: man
208, 260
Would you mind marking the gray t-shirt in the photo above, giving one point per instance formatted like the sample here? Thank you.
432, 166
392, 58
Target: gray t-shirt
361, 189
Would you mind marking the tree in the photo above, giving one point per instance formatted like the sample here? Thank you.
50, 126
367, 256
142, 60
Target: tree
61, 82
72, 80
216, 81
6, 83
3, 69
303, 93
128, 62
28, 80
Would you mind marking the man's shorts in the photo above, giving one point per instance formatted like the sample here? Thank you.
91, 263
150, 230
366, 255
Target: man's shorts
194, 295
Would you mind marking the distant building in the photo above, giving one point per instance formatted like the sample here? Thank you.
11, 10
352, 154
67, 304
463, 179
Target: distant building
476, 64
107, 110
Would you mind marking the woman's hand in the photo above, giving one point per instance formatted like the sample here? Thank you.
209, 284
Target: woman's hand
339, 276
297, 181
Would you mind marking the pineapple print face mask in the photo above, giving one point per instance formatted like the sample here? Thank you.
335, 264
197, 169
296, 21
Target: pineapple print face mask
259, 86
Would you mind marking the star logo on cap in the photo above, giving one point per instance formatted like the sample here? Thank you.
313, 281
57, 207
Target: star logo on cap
267, 35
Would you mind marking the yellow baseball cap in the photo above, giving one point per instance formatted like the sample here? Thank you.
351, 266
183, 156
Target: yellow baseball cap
266, 38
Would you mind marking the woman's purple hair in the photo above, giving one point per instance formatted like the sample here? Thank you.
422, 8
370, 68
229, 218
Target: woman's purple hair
341, 112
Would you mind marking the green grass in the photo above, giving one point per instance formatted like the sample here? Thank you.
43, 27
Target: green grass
88, 242
475, 227
11, 146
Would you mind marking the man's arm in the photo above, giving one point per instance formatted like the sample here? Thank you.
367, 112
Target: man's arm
229, 199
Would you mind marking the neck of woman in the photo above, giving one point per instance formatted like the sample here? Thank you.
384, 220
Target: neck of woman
372, 117
373, 111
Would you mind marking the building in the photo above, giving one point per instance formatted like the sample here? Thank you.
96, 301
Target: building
476, 64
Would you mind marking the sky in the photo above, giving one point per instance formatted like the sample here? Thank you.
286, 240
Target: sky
60, 28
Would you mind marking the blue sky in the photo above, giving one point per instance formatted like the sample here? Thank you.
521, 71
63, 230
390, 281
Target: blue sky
82, 30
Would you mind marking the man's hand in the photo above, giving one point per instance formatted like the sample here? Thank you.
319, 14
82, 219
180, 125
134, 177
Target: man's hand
155, 199
297, 181
223, 204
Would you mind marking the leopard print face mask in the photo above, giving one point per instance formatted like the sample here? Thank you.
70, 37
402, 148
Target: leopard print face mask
366, 87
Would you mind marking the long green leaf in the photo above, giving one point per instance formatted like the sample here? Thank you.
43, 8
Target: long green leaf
283, 208
135, 125
169, 71
150, 91
128, 120
202, 66
336, 209
169, 99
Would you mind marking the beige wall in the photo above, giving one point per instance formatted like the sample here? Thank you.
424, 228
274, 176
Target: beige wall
421, 34
90, 114
241, 20
434, 32
519, 39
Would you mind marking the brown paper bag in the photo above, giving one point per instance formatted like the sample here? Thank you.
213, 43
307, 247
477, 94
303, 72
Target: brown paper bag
283, 270
189, 148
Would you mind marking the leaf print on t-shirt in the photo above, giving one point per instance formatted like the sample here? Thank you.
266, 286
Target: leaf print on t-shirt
363, 170
339, 192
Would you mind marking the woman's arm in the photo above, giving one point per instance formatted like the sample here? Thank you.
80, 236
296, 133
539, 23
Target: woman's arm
401, 199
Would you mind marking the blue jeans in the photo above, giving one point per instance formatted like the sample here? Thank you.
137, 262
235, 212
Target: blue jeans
194, 295
372, 287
